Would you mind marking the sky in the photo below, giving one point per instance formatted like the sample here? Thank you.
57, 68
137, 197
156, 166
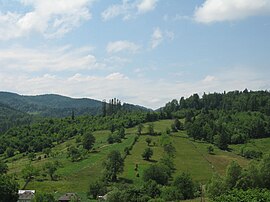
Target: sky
145, 52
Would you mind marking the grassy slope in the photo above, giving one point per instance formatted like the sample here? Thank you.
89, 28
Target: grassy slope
191, 156
75, 177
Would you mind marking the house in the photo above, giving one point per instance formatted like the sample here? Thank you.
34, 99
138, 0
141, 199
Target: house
26, 195
68, 197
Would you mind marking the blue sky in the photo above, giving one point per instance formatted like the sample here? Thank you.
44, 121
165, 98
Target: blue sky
145, 52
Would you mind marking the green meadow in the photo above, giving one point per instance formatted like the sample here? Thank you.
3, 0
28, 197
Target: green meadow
191, 156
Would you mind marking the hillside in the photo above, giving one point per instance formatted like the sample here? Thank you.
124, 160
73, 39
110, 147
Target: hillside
52, 105
10, 117
219, 141
76, 176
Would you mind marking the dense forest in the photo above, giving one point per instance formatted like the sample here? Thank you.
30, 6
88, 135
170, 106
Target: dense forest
224, 118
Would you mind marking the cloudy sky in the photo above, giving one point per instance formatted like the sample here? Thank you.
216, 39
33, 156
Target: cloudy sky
145, 52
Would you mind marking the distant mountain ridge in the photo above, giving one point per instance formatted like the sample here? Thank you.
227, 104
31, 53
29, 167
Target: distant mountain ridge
53, 105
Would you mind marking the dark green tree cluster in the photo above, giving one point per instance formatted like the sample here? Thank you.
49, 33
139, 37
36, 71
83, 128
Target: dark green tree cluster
45, 132
255, 176
8, 185
240, 101
227, 127
117, 137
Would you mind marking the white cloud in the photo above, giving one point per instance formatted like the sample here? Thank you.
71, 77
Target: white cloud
52, 59
119, 46
147, 5
50, 18
150, 93
209, 78
157, 38
230, 10
116, 76
128, 9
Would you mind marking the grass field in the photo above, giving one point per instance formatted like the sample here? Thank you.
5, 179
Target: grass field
262, 145
191, 156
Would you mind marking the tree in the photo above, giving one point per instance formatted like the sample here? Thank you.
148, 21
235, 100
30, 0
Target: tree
32, 156
156, 173
233, 174
178, 124
151, 189
185, 185
3, 168
47, 151
8, 189
76, 154
97, 188
121, 132
216, 187
126, 150
151, 130
50, 168
140, 128
88, 141
110, 139
264, 168
210, 149
167, 161
10, 152
44, 197
147, 154
114, 165
169, 149
29, 172
148, 140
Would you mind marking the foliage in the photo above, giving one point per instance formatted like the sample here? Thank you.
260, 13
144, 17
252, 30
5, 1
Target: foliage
216, 186
8, 189
151, 130
151, 189
32, 156
75, 153
170, 193
88, 140
210, 149
169, 149
156, 173
3, 168
185, 185
50, 168
114, 165
147, 153
97, 188
44, 197
250, 153
240, 195
233, 174
140, 128
148, 140
29, 172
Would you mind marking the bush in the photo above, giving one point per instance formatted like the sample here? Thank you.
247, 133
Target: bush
156, 173
250, 153
147, 154
185, 185
97, 188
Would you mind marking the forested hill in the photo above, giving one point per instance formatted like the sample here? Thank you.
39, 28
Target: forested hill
52, 105
234, 100
10, 117
224, 118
